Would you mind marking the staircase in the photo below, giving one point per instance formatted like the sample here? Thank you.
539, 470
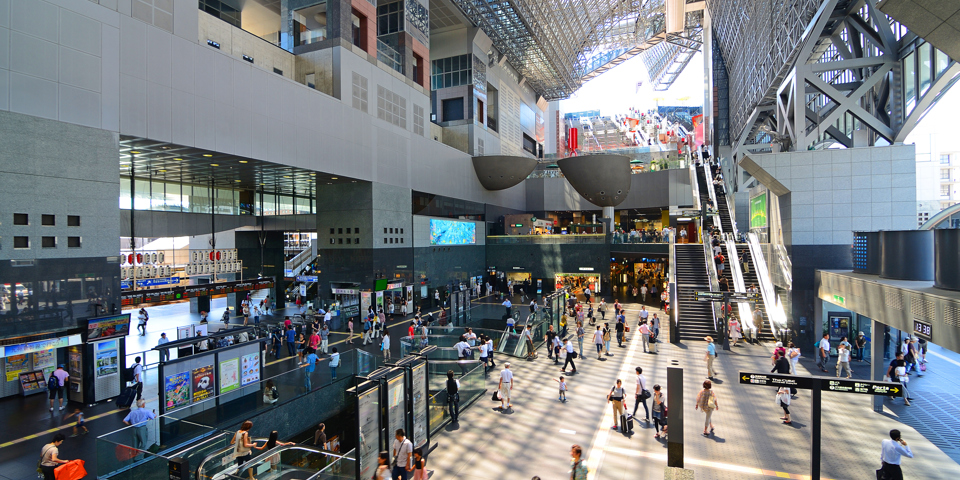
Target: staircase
696, 317
750, 278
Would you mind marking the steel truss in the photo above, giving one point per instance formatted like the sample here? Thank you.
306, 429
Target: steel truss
860, 79
556, 45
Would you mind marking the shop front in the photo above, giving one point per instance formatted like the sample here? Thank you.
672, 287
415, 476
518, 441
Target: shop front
577, 282
397, 298
28, 365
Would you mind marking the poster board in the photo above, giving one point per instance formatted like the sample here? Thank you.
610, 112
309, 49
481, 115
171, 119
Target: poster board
203, 383
176, 390
396, 405
45, 360
758, 211
107, 359
229, 375
249, 369
419, 389
16, 364
368, 414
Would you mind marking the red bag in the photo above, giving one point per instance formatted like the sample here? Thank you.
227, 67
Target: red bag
72, 470
125, 453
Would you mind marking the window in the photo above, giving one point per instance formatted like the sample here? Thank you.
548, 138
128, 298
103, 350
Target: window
451, 72
945, 191
48, 220
73, 220
340, 241
356, 241
222, 9
944, 174
21, 219
21, 242
417, 69
479, 116
452, 109
339, 231
391, 107
73, 242
48, 242
358, 28
359, 92
529, 145
945, 159
389, 18
332, 230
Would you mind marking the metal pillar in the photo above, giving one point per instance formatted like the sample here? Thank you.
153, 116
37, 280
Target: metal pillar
815, 428
878, 367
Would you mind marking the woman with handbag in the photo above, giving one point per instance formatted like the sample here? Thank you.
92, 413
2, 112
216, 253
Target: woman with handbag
243, 446
49, 459
707, 403
616, 397
270, 394
659, 412
783, 400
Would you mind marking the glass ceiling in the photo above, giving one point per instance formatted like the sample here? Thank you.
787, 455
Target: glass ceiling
555, 44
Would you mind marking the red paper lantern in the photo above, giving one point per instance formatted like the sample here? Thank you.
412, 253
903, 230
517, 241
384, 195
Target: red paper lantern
211, 256
218, 254
139, 258
130, 259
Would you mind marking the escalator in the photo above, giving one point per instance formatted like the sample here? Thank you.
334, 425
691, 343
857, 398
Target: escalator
726, 224
696, 317
702, 187
750, 278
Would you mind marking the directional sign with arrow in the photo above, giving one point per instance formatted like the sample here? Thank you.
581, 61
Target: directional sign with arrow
888, 389
866, 387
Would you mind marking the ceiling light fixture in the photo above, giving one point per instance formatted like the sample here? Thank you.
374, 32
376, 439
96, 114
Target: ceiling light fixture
214, 164
333, 178
243, 161
178, 159
207, 155
238, 181
134, 151
313, 174
162, 171
286, 176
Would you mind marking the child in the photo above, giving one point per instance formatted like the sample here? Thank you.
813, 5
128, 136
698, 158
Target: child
80, 422
563, 388
419, 465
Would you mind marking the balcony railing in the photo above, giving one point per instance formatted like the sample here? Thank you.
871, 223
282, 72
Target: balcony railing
552, 239
388, 55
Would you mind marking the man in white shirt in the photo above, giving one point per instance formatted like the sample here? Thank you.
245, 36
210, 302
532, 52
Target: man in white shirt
508, 304
890, 454
598, 340
164, 353
138, 376
640, 396
823, 352
655, 323
327, 316
402, 455
642, 316
505, 386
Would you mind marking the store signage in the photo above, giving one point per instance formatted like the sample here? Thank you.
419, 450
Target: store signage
41, 345
923, 329
518, 268
180, 293
307, 278
586, 269
839, 300
394, 286
401, 266
287, 272
345, 291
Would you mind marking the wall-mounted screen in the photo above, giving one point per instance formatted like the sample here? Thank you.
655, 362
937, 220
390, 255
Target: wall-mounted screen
452, 232
108, 327
758, 211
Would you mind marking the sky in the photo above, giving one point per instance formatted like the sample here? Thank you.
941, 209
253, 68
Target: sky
616, 90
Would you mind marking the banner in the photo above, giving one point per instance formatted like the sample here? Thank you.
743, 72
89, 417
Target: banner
176, 389
15, 365
203, 384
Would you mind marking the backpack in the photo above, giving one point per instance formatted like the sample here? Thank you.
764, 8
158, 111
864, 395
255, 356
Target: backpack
53, 382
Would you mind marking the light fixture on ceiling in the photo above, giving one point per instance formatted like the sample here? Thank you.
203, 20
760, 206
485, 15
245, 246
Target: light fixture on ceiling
207, 155
333, 178
134, 151
243, 161
162, 171
238, 181
286, 176
124, 164
214, 164
178, 159
313, 174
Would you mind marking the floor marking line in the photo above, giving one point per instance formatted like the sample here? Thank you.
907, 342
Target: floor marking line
56, 429
708, 463
943, 357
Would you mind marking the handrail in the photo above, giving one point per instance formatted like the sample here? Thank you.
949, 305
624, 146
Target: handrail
776, 314
695, 183
733, 217
708, 179
739, 285
266, 456
218, 456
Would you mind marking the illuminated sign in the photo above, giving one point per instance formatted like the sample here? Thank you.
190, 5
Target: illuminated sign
758, 211
452, 232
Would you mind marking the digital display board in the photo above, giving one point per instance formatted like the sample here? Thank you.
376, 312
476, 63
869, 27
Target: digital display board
193, 291
452, 232
758, 211
108, 327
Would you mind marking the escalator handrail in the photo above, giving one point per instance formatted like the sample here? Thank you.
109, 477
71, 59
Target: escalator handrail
265, 456
708, 179
221, 453
773, 308
739, 283
714, 281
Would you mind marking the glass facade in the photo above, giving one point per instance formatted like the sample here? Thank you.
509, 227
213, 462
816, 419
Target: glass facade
162, 196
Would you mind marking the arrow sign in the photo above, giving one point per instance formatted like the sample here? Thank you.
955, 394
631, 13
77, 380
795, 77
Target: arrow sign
709, 296
766, 379
865, 387
732, 296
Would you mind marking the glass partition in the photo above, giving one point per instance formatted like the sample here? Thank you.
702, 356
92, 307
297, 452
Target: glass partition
472, 387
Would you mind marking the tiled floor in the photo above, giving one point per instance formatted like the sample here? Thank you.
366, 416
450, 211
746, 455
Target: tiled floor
750, 441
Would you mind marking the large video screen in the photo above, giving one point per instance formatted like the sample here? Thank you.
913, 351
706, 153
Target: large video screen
758, 211
452, 232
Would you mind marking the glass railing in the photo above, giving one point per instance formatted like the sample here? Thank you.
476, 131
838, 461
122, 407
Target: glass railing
389, 56
313, 36
648, 236
552, 239
292, 462
472, 387
129, 446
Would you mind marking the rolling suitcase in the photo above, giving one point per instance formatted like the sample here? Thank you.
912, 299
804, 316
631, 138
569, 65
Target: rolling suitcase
626, 423
126, 397
652, 346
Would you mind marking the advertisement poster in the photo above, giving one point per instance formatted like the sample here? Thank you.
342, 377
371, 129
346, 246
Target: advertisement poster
368, 409
200, 330
229, 375
396, 405
202, 383
107, 363
419, 374
46, 361
758, 211
249, 369
15, 365
176, 390
108, 327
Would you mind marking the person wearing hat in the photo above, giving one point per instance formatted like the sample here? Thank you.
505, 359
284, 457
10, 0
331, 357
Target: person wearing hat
711, 355
861, 344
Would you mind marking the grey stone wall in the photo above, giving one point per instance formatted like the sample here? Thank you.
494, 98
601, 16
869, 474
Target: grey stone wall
51, 167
